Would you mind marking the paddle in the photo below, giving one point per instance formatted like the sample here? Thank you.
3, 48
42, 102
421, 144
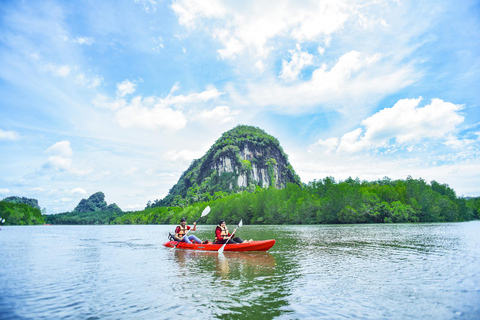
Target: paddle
220, 251
204, 213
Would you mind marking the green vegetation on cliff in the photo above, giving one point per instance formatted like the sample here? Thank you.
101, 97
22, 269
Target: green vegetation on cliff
241, 159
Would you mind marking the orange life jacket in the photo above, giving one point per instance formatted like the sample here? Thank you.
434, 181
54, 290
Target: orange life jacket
223, 234
182, 231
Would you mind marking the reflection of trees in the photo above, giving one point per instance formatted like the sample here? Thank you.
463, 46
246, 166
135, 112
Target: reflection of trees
240, 285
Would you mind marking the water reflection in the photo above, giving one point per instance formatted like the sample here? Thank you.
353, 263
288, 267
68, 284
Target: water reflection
242, 285
229, 264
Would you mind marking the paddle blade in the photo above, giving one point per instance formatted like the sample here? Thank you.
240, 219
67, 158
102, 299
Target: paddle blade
206, 211
240, 224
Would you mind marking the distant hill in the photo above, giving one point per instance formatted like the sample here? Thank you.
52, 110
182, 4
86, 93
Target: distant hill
28, 201
241, 159
20, 213
93, 210
96, 202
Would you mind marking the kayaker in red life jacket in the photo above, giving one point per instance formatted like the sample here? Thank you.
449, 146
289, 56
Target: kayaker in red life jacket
222, 235
182, 229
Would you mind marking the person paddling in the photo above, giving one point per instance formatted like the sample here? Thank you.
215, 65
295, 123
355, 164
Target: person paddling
181, 230
222, 235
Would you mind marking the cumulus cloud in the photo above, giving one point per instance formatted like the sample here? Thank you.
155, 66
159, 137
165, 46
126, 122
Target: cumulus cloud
125, 87
9, 135
60, 156
299, 60
78, 190
221, 114
154, 112
403, 125
352, 79
60, 159
150, 113
247, 27
4, 191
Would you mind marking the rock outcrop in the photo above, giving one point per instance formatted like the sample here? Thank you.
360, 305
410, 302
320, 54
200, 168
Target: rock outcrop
96, 202
241, 159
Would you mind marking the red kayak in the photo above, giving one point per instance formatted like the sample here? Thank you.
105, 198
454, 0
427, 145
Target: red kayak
262, 245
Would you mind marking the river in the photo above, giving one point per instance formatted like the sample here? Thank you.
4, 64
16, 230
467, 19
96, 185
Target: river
375, 271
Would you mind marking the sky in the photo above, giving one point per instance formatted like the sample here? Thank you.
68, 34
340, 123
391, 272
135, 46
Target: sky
121, 96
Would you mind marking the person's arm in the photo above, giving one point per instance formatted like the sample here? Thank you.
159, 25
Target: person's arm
177, 230
194, 226
218, 234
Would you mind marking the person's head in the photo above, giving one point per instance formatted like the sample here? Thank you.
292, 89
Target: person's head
221, 223
183, 221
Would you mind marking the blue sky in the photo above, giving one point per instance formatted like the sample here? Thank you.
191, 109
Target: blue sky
120, 96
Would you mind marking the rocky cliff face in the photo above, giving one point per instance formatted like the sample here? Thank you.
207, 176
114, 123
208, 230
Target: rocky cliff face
243, 158
271, 171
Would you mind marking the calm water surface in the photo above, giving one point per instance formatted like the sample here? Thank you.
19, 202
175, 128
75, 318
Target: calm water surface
406, 271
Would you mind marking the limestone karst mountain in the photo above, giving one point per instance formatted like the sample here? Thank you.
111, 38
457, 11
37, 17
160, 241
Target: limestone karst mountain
241, 159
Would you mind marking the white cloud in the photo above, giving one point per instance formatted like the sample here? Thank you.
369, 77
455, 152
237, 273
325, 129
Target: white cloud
9, 135
91, 83
84, 40
354, 79
61, 149
4, 191
60, 159
154, 112
404, 124
299, 60
57, 70
150, 113
189, 12
184, 155
244, 27
221, 114
78, 190
125, 87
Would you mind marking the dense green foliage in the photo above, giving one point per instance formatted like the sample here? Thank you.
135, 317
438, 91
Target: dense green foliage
326, 201
200, 182
91, 217
20, 214
28, 201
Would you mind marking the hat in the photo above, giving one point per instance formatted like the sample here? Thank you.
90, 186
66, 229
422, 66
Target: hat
182, 220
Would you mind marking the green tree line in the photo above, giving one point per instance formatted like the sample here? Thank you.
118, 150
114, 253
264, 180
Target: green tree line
90, 217
20, 214
326, 201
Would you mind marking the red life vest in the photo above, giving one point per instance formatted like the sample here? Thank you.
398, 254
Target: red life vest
223, 234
